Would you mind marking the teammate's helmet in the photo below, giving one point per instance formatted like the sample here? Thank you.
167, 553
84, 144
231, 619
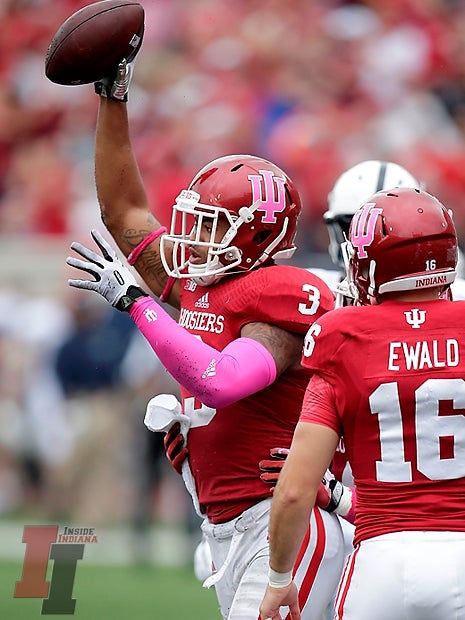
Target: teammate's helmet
402, 239
260, 204
351, 190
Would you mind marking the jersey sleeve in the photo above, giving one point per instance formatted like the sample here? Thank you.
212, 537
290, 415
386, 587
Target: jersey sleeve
324, 341
320, 404
288, 297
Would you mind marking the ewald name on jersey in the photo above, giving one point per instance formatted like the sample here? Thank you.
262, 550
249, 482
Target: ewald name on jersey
423, 354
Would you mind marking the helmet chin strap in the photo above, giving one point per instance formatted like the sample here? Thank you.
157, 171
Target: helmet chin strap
197, 273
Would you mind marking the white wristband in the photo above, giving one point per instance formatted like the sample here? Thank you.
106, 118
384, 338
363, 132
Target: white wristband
279, 580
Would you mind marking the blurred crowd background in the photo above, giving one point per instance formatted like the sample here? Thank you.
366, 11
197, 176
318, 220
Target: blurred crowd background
314, 85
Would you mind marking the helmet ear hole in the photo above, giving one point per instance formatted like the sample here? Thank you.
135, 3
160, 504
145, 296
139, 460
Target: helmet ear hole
261, 237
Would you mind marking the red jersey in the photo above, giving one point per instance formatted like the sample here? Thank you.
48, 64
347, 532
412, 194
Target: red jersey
225, 445
397, 377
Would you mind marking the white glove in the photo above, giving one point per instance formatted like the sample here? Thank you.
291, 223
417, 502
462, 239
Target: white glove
164, 414
116, 86
113, 280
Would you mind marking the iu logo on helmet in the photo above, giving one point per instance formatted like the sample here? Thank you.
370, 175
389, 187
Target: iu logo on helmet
363, 227
273, 200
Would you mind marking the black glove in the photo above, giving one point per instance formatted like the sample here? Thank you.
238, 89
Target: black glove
116, 86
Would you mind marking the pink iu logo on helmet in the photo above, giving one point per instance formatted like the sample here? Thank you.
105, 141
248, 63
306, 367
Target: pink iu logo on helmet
269, 204
362, 230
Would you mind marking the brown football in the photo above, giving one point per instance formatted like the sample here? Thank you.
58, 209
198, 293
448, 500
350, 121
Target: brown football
91, 42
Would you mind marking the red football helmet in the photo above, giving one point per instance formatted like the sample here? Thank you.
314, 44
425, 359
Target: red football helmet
261, 206
401, 239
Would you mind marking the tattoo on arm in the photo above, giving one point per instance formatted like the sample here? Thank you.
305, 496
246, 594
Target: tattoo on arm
149, 265
284, 346
132, 237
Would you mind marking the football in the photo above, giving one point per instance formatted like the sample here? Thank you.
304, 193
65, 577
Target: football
92, 41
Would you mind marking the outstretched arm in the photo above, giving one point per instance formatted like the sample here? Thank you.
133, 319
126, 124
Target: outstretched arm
121, 194
217, 378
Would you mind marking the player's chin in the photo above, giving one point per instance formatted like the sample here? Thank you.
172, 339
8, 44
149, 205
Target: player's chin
196, 262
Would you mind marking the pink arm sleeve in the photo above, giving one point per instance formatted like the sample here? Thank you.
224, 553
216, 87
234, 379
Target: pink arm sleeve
216, 378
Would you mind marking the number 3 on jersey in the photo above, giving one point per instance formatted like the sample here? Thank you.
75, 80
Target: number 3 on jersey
199, 414
314, 296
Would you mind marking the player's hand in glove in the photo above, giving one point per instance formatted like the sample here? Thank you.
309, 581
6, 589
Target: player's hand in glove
116, 86
175, 447
332, 495
113, 280
271, 468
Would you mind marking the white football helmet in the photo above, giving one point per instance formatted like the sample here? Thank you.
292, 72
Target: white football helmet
351, 190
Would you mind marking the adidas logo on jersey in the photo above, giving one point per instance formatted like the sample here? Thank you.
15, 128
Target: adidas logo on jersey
211, 370
202, 302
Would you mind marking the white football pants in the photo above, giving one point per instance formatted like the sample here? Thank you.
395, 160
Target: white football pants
240, 554
405, 575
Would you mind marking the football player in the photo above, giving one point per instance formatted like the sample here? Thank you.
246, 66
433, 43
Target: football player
388, 375
337, 492
349, 191
235, 350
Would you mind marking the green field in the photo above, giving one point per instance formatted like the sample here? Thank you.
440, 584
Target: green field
118, 593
